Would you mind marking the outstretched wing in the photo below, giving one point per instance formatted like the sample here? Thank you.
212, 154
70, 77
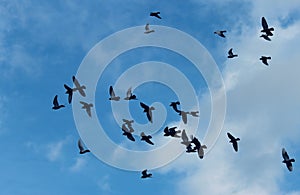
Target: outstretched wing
285, 154
230, 136
264, 23
144, 106
76, 83
128, 94
184, 116
55, 101
80, 145
185, 138
111, 91
147, 27
235, 145
230, 52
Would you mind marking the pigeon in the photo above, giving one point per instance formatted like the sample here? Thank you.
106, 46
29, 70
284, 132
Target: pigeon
266, 37
147, 29
129, 124
56, 105
145, 174
265, 59
146, 138
171, 132
78, 87
148, 111
233, 140
266, 28
287, 160
81, 148
87, 107
155, 14
127, 133
194, 113
129, 95
200, 148
231, 55
69, 92
184, 116
174, 106
113, 95
220, 33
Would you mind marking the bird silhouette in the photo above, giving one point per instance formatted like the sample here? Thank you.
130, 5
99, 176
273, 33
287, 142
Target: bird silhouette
233, 140
171, 132
220, 33
87, 107
81, 148
155, 14
129, 95
287, 160
265, 59
148, 111
194, 113
129, 124
266, 28
266, 37
78, 87
231, 55
200, 148
113, 95
184, 116
189, 149
127, 133
69, 92
56, 105
147, 29
174, 106
145, 174
146, 138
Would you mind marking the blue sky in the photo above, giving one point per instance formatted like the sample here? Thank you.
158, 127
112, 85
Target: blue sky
42, 45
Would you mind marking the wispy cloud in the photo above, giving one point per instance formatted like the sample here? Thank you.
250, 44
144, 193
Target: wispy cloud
78, 165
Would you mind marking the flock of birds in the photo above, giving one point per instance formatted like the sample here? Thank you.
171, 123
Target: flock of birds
192, 144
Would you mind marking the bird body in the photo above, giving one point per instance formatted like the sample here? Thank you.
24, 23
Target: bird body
147, 29
230, 54
266, 28
87, 107
148, 111
265, 59
145, 174
155, 14
287, 160
129, 95
56, 105
78, 87
81, 148
171, 132
113, 95
233, 140
146, 138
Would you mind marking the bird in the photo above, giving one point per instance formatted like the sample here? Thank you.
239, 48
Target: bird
231, 55
81, 148
194, 113
184, 116
56, 105
266, 37
78, 87
265, 59
127, 133
189, 149
171, 132
266, 28
148, 111
69, 92
200, 148
147, 29
287, 160
113, 95
146, 138
155, 14
233, 140
129, 95
87, 107
129, 124
220, 33
145, 174
174, 106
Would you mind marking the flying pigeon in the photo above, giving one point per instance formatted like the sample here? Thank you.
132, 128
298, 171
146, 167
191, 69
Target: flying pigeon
265, 59
113, 95
194, 113
145, 174
200, 148
146, 138
148, 111
147, 29
266, 28
87, 107
220, 33
266, 37
155, 14
69, 92
287, 160
230, 54
127, 133
78, 87
233, 140
174, 106
171, 132
81, 148
129, 95
56, 105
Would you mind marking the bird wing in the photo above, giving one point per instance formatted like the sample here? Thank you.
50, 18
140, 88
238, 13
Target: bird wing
69, 92
144, 106
111, 91
144, 172
76, 83
80, 145
124, 128
166, 130
67, 88
230, 136
55, 101
184, 136
147, 27
235, 145
84, 103
88, 110
130, 136
264, 23
149, 115
128, 94
230, 52
285, 154
184, 117
81, 91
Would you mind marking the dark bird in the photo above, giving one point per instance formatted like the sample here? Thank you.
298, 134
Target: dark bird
81, 148
155, 14
127, 133
69, 92
147, 29
145, 174
220, 33
87, 107
113, 95
233, 140
200, 148
78, 87
56, 105
148, 111
265, 59
231, 55
129, 95
266, 28
194, 113
174, 106
266, 37
287, 160
146, 138
189, 149
171, 132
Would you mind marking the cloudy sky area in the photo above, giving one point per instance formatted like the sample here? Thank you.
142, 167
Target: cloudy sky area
43, 43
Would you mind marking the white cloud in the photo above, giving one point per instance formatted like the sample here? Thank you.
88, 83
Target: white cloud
78, 165
104, 183
54, 150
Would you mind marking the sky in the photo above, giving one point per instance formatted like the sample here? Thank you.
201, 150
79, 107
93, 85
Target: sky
44, 43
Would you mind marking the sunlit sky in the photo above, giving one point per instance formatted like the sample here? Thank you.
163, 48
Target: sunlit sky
43, 43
